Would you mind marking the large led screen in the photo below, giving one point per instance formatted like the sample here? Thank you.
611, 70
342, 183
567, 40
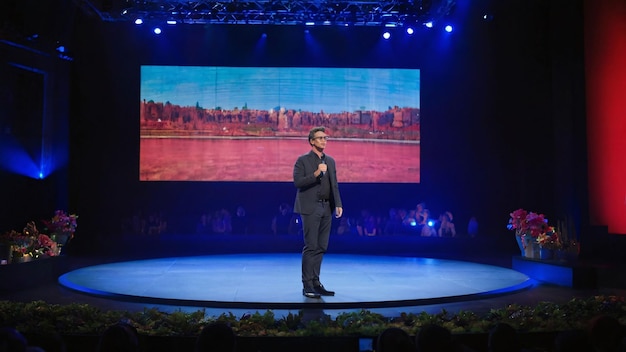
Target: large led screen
249, 124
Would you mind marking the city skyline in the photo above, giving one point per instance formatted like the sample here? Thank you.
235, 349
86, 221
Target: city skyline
332, 90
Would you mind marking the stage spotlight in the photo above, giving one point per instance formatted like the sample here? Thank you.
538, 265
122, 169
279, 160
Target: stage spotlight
138, 21
428, 24
488, 17
409, 30
431, 223
386, 35
157, 30
309, 23
41, 175
448, 28
171, 22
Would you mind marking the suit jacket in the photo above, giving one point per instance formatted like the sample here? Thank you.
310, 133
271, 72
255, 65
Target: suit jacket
309, 186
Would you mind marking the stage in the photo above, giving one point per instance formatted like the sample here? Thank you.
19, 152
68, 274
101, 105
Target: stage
272, 281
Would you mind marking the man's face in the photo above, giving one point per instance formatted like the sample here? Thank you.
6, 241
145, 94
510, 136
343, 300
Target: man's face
319, 140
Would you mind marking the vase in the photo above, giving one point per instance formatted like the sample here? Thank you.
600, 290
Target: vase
520, 244
546, 253
61, 238
531, 247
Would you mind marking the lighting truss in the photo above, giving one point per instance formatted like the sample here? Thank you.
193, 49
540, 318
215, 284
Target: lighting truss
389, 13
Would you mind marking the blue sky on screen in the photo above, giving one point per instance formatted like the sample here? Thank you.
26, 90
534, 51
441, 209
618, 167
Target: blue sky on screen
308, 89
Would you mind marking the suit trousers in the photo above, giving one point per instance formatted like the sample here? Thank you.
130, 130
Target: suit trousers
316, 228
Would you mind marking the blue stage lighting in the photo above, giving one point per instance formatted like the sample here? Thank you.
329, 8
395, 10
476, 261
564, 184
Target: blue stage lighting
311, 23
431, 223
139, 21
171, 22
448, 28
409, 30
41, 175
428, 24
157, 30
386, 35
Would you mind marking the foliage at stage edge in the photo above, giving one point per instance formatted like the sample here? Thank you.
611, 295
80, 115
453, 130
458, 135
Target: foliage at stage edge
82, 319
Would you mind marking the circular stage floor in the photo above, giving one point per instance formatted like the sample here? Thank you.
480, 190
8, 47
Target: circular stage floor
273, 281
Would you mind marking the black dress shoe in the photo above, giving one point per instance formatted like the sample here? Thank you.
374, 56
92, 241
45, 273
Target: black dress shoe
322, 291
310, 292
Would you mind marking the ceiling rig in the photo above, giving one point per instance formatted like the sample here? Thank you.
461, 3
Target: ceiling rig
390, 13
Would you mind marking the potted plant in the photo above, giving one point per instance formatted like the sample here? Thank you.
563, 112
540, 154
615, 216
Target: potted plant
61, 227
528, 226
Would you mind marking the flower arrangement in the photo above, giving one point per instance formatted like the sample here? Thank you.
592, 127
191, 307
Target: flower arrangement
32, 244
550, 239
532, 230
62, 223
528, 223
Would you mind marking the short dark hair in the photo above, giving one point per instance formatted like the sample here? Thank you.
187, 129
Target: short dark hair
314, 130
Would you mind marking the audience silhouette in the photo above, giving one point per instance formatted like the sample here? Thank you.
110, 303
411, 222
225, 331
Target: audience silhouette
240, 222
12, 340
434, 338
503, 338
216, 337
394, 340
605, 333
572, 341
284, 222
120, 337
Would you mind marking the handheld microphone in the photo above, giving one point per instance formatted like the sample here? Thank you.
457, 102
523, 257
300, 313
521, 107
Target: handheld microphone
323, 162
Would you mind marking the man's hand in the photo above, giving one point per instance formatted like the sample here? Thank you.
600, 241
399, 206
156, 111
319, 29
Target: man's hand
338, 212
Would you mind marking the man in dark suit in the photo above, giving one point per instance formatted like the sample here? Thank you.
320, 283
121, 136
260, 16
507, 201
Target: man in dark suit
317, 198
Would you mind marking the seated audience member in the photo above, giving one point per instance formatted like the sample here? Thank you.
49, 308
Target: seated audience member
605, 333
49, 342
410, 224
434, 338
411, 219
121, 337
240, 221
370, 226
394, 340
344, 227
216, 337
419, 209
427, 230
472, 227
222, 223
393, 226
360, 222
204, 225
572, 341
446, 226
503, 338
284, 222
12, 340
156, 224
